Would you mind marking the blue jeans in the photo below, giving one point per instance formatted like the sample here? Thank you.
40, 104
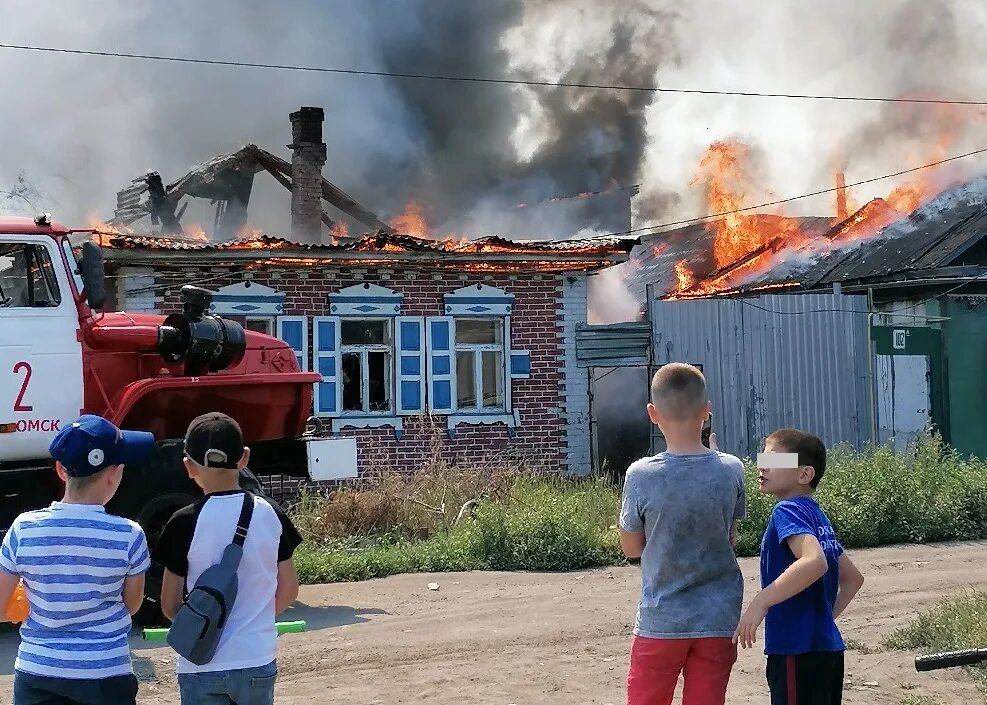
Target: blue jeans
246, 686
43, 690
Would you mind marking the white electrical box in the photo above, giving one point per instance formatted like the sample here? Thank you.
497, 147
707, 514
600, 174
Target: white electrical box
332, 459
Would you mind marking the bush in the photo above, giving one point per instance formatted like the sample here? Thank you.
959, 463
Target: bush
523, 520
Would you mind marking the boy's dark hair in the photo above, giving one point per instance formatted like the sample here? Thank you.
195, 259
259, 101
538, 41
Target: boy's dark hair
810, 449
678, 391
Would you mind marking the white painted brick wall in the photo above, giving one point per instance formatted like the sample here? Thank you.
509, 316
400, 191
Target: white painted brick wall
136, 295
570, 313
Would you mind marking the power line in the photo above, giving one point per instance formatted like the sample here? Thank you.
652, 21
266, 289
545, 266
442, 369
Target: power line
657, 229
491, 80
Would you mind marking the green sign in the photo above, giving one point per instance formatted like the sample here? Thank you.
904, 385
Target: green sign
905, 340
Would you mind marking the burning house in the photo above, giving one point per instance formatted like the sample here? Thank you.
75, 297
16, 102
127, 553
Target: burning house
464, 347
868, 326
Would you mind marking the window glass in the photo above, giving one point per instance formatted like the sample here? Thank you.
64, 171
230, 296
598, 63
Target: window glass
27, 277
478, 331
492, 379
466, 380
364, 332
260, 325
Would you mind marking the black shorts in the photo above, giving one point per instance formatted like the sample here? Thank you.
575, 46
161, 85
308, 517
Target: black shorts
815, 678
43, 690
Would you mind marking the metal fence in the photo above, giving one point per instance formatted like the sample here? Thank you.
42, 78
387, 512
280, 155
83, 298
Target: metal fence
782, 360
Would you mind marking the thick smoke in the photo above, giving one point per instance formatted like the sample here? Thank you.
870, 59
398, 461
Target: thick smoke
78, 129
914, 48
81, 128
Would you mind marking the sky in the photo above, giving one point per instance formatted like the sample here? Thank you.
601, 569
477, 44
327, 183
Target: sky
78, 129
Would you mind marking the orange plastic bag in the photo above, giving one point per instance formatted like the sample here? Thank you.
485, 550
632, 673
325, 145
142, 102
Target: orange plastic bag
17, 607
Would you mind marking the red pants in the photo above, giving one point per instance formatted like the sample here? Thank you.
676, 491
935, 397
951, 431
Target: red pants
705, 665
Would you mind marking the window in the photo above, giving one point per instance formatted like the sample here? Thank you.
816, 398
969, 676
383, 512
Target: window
365, 350
479, 364
27, 277
260, 324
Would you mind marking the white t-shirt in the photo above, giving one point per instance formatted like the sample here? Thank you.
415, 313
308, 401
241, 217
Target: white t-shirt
194, 539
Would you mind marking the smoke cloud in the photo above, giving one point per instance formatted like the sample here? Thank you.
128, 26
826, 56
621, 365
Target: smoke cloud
81, 128
78, 129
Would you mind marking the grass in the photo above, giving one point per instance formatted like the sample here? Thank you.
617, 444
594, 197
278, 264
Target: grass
918, 700
955, 623
506, 516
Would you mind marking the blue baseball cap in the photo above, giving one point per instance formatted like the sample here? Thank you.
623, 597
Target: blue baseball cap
92, 444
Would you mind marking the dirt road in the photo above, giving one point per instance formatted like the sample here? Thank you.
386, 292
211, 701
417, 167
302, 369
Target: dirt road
552, 639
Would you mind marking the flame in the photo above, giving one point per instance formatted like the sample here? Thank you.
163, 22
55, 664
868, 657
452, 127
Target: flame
723, 176
412, 221
339, 230
684, 275
746, 246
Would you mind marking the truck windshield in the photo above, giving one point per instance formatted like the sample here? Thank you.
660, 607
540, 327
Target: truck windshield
27, 278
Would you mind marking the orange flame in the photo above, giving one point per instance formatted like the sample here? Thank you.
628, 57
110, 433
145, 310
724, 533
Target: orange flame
412, 221
339, 230
684, 275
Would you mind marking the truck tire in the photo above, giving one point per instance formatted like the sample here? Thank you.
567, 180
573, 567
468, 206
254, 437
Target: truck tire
150, 495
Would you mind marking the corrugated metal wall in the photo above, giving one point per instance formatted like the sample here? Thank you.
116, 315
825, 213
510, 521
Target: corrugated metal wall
774, 361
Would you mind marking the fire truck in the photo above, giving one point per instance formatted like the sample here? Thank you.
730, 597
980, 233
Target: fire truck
61, 356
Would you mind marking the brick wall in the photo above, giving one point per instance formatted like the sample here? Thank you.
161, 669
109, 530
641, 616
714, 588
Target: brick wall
553, 402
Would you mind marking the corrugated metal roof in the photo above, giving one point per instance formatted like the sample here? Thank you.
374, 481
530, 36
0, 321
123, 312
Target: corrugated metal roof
875, 242
934, 236
654, 260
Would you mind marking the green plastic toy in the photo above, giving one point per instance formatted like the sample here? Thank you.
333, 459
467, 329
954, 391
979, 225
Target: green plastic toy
283, 628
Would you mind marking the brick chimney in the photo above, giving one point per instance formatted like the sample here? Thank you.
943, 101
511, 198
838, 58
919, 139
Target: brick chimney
307, 158
841, 205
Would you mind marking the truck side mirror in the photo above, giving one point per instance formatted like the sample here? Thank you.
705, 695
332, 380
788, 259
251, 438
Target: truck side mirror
91, 269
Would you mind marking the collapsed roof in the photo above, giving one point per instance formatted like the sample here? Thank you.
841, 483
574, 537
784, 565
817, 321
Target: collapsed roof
377, 249
226, 180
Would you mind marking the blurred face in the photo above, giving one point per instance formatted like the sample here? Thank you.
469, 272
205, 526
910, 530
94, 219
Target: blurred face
780, 475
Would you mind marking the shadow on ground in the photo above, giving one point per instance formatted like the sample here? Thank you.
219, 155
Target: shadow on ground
316, 618
328, 617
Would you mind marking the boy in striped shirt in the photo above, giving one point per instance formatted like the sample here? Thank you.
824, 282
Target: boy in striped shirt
83, 573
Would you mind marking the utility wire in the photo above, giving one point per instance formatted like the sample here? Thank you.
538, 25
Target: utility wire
491, 80
657, 229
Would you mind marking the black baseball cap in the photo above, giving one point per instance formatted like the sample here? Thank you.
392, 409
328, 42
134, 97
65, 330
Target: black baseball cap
214, 440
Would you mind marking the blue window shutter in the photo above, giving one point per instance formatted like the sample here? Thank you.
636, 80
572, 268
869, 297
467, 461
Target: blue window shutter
440, 335
325, 356
520, 364
410, 364
294, 331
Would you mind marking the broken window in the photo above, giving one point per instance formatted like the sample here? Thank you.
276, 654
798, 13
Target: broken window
366, 348
479, 364
27, 277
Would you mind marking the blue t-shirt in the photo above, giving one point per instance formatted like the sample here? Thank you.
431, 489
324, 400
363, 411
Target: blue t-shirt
803, 623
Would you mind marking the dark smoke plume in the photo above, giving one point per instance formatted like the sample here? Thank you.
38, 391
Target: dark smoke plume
83, 127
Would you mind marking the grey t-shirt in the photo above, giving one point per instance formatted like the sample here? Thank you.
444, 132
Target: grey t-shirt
691, 585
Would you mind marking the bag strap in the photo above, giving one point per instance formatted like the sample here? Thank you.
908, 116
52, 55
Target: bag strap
243, 523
